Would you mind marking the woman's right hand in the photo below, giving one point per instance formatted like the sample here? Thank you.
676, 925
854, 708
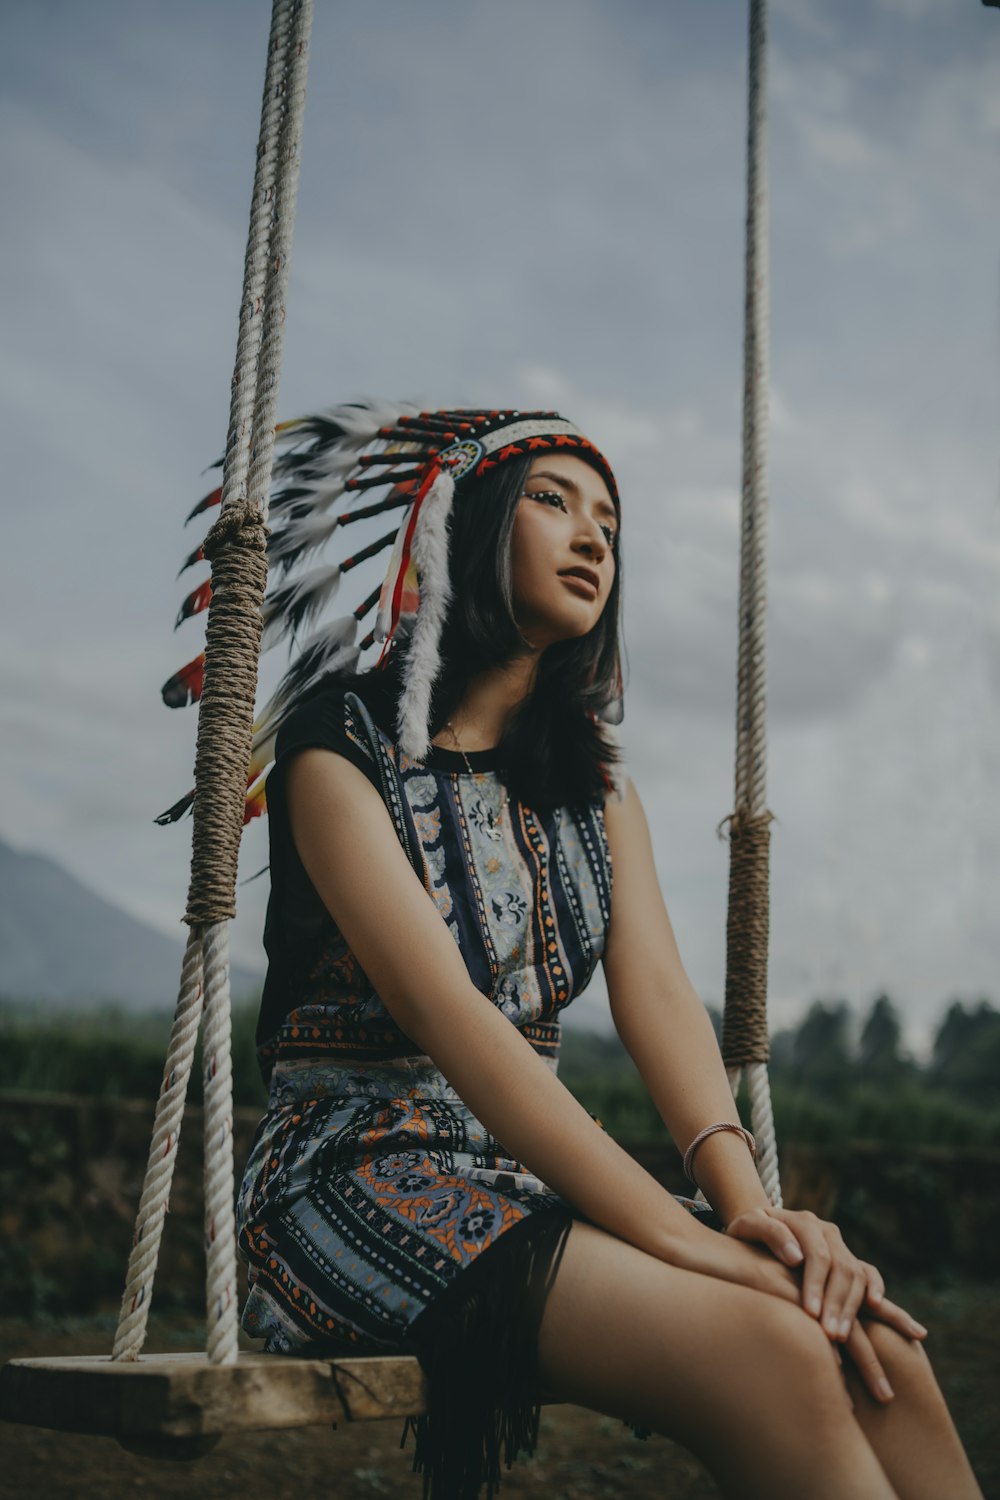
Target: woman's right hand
836, 1285
715, 1254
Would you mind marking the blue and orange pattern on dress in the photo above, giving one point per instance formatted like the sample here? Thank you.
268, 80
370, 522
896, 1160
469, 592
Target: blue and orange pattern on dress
371, 1185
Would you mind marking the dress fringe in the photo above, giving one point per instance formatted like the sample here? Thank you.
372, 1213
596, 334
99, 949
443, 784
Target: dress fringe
478, 1348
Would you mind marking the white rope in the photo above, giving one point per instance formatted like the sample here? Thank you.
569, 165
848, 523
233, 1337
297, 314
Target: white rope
220, 1224
278, 152
262, 331
286, 194
134, 1315
751, 689
243, 393
762, 1125
751, 686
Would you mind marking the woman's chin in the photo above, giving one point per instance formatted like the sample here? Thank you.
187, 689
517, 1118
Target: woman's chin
541, 634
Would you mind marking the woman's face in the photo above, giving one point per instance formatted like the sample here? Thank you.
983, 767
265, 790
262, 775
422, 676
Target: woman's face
562, 550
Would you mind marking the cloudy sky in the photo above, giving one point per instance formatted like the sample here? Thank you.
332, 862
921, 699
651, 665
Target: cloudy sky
541, 203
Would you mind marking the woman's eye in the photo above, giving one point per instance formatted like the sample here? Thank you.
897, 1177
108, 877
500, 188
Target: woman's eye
550, 497
554, 498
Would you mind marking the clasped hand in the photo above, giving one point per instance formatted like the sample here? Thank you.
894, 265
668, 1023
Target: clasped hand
835, 1285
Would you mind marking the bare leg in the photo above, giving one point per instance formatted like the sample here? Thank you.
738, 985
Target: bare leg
746, 1381
914, 1436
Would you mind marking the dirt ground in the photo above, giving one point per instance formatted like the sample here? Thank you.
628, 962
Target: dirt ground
580, 1454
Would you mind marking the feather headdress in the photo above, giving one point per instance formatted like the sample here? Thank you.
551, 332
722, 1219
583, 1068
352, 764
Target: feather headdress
324, 467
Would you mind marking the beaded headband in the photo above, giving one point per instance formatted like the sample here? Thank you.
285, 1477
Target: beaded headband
421, 458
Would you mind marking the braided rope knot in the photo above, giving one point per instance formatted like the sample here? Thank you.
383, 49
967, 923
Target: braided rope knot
241, 525
744, 1030
745, 825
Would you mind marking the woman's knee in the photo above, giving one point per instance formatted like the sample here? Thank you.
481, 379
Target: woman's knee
796, 1377
800, 1354
668, 1341
801, 1335
781, 1380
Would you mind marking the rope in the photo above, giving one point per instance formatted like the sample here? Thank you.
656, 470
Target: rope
744, 1032
236, 547
244, 384
289, 152
751, 700
134, 1315
219, 1179
762, 1125
236, 544
745, 1018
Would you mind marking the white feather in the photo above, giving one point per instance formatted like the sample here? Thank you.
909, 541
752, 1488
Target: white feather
298, 538
327, 487
361, 421
423, 662
326, 469
296, 605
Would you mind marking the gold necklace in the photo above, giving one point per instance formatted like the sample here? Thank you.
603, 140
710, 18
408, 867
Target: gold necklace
451, 730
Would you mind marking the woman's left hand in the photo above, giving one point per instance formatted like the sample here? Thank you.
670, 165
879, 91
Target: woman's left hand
835, 1284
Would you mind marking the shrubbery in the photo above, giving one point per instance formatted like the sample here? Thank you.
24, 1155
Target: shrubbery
832, 1080
107, 1053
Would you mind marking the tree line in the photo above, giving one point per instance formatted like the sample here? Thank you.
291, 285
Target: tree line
835, 1077
964, 1059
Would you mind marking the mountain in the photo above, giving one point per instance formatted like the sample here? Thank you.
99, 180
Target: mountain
60, 942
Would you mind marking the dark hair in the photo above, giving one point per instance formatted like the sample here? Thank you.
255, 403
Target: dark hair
553, 750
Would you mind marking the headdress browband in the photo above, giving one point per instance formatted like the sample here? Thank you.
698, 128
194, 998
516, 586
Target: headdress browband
421, 457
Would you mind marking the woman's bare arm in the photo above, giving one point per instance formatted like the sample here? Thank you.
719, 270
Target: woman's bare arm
349, 848
669, 1035
663, 1023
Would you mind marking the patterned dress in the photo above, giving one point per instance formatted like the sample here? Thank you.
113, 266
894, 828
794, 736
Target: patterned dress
374, 1204
371, 1185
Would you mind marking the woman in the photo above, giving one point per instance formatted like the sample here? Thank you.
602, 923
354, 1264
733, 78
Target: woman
443, 832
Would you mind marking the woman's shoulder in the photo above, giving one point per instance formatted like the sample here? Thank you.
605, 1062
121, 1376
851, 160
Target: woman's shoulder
335, 717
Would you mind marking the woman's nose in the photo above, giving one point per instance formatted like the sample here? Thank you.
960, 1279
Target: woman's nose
593, 542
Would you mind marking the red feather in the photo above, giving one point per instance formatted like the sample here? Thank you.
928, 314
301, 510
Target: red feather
185, 686
214, 497
197, 556
256, 802
196, 601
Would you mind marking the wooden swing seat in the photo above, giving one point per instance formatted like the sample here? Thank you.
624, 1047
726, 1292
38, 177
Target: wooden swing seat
180, 1405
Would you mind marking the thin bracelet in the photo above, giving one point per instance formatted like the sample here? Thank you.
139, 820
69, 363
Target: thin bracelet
710, 1130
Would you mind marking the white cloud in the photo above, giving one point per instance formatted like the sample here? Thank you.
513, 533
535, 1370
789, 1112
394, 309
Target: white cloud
910, 10
841, 145
812, 17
